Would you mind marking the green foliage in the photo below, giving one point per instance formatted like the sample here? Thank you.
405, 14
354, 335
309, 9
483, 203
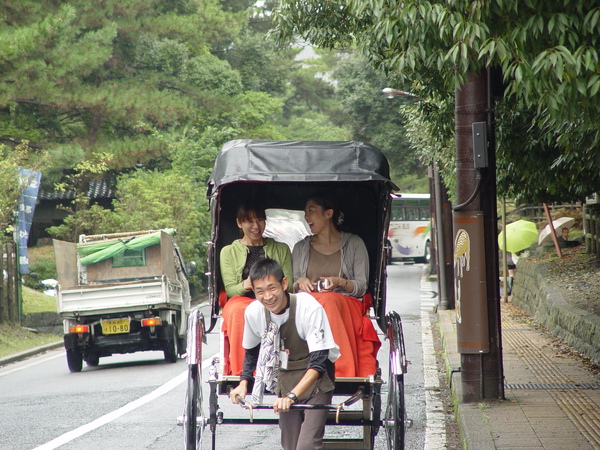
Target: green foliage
77, 182
546, 53
430, 131
261, 65
314, 126
41, 263
152, 200
86, 74
311, 89
148, 201
92, 220
193, 152
374, 118
12, 183
413, 183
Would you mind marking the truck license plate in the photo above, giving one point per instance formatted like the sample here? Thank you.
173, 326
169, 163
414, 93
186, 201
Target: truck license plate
115, 326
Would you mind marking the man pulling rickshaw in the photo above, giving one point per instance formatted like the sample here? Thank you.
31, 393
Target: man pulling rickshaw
289, 342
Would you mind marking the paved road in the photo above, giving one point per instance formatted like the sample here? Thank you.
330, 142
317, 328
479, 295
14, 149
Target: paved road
132, 401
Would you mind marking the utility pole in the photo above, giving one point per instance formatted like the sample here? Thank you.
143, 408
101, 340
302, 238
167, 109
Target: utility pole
475, 242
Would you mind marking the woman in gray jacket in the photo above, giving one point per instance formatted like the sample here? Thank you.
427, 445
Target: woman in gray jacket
333, 266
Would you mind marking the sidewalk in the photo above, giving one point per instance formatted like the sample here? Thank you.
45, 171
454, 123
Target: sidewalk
551, 400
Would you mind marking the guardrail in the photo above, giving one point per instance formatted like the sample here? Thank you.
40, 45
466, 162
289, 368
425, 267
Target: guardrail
535, 213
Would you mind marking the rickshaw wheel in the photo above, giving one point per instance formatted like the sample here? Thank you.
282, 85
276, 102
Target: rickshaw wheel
376, 408
395, 412
194, 418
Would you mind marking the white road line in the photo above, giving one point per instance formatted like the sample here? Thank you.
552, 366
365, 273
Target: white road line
435, 431
32, 364
107, 418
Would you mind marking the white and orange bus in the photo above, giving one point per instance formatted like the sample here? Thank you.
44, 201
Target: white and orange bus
410, 228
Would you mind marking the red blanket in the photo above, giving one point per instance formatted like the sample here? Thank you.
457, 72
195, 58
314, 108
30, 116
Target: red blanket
233, 329
353, 332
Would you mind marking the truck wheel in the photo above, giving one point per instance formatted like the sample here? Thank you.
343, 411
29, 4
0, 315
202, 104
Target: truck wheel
182, 345
74, 360
170, 350
92, 359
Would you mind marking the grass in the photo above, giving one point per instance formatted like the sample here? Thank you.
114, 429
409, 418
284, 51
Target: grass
36, 301
14, 339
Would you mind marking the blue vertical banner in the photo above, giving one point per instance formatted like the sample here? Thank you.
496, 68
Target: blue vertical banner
31, 182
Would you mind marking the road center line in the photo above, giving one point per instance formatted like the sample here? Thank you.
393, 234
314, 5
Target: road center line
107, 418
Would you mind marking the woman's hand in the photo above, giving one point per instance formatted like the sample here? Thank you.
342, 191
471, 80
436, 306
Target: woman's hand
304, 284
339, 282
246, 284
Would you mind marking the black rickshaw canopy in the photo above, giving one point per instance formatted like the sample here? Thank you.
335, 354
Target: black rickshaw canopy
302, 161
283, 174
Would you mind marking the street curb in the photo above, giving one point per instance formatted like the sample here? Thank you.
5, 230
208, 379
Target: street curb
31, 352
471, 418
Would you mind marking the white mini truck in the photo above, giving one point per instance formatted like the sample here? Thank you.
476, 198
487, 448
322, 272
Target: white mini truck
122, 293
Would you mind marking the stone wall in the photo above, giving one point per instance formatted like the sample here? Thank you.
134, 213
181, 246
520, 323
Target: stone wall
44, 322
533, 294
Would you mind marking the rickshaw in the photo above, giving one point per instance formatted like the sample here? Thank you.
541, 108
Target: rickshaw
283, 174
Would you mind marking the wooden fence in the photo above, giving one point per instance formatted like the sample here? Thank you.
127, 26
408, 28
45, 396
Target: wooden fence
535, 213
591, 225
9, 287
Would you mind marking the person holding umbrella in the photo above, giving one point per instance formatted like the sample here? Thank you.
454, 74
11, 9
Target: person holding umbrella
518, 237
563, 239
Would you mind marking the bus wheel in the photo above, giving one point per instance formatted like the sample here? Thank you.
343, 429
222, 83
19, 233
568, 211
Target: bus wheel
426, 258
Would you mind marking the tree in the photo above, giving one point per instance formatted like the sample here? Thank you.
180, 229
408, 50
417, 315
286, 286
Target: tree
79, 79
374, 118
12, 182
545, 52
148, 200
261, 65
84, 218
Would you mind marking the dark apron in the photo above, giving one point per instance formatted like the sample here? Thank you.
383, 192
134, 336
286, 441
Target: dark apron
298, 359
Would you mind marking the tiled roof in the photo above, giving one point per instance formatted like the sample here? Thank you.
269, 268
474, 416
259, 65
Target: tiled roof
98, 189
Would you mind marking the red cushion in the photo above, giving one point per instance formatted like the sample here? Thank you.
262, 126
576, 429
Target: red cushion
222, 298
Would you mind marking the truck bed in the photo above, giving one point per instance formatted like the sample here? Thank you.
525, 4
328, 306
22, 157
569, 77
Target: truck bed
91, 299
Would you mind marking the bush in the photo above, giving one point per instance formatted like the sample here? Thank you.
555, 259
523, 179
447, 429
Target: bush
41, 263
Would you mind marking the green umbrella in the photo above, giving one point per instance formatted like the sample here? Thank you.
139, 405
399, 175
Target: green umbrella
519, 236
